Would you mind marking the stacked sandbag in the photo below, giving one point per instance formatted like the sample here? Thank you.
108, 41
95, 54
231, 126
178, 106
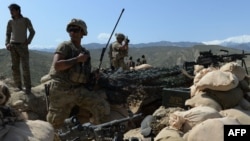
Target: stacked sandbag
210, 129
219, 96
161, 118
226, 87
186, 120
243, 116
169, 134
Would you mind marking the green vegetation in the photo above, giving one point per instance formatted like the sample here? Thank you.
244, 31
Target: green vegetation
168, 56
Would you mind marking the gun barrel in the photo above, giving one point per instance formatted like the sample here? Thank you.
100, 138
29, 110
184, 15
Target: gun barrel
113, 122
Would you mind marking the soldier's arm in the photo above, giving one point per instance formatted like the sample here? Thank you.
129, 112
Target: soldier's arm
31, 31
60, 63
8, 33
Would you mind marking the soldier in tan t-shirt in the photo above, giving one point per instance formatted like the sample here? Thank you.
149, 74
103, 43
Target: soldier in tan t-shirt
119, 50
17, 43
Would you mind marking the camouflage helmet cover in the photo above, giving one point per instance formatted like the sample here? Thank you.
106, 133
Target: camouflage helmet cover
120, 35
80, 23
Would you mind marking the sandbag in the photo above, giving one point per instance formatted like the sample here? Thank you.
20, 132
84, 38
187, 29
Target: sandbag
244, 85
244, 104
242, 116
227, 99
201, 73
194, 91
186, 120
161, 118
198, 68
218, 80
234, 68
168, 134
143, 66
210, 130
202, 100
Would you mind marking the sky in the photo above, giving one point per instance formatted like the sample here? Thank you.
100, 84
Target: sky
143, 21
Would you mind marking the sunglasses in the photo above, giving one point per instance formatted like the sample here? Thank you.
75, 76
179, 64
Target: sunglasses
75, 30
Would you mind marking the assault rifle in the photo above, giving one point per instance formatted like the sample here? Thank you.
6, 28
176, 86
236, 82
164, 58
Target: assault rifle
207, 58
108, 131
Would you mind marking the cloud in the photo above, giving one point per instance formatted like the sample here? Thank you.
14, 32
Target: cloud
235, 39
103, 37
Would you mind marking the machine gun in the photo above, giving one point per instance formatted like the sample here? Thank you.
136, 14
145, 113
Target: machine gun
207, 58
109, 131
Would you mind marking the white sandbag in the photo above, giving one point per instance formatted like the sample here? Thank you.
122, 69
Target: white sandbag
202, 73
45, 78
234, 68
242, 116
162, 116
218, 80
134, 133
203, 100
168, 134
188, 119
198, 68
143, 66
210, 130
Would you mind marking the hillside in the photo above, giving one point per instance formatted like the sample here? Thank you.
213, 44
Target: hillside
156, 56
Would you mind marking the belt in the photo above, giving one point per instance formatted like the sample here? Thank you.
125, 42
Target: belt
14, 43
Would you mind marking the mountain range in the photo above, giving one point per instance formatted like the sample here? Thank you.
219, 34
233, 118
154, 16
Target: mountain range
237, 42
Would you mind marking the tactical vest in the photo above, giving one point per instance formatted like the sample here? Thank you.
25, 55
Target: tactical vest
80, 72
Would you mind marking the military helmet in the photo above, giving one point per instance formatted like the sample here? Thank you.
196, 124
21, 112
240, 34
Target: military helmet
14, 6
80, 23
120, 35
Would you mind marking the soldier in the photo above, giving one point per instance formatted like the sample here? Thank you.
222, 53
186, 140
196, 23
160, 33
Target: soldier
138, 62
17, 43
131, 63
119, 50
143, 61
70, 71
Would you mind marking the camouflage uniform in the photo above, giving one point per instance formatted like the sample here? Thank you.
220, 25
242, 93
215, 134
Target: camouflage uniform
117, 55
67, 90
16, 38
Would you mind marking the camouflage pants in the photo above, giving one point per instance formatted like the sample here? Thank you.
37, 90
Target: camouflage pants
62, 100
117, 63
20, 54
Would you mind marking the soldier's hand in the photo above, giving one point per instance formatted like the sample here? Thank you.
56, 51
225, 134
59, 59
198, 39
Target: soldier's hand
8, 46
82, 57
127, 40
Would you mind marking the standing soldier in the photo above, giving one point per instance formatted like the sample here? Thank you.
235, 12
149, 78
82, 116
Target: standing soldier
119, 50
17, 43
